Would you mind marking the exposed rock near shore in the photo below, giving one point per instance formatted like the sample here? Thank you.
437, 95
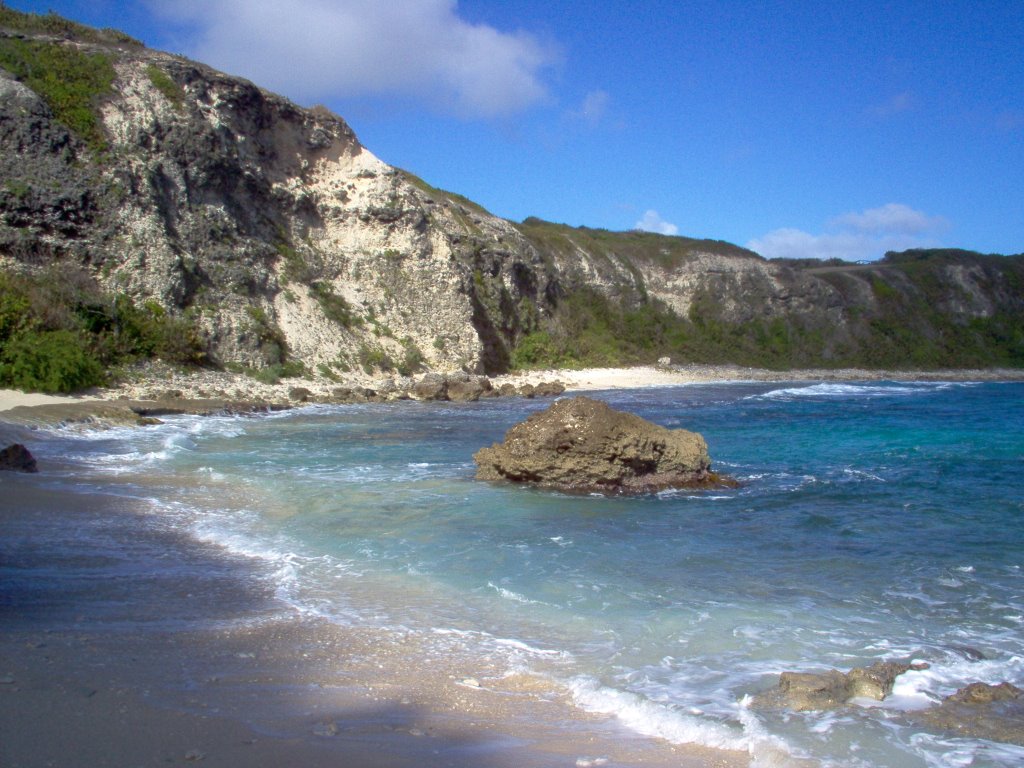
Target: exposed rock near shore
581, 444
978, 710
810, 691
17, 458
982, 711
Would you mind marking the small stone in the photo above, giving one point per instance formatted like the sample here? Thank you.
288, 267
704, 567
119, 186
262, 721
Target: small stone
470, 682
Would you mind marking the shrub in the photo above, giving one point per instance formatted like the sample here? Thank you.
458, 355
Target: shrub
334, 306
372, 358
412, 358
164, 83
49, 361
58, 331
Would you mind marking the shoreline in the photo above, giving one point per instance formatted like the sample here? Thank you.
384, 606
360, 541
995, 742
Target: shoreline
211, 667
214, 391
339, 693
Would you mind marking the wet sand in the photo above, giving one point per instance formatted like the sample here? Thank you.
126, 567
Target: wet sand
156, 649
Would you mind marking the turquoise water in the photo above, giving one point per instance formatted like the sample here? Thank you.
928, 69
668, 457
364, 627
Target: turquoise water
874, 521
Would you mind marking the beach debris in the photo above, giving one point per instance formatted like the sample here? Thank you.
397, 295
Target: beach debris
581, 444
17, 458
981, 711
194, 756
470, 682
812, 691
590, 762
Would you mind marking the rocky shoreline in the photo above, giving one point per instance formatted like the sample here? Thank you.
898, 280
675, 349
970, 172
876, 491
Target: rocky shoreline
156, 390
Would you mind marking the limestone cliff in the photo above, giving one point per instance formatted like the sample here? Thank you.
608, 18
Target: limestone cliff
273, 223
282, 237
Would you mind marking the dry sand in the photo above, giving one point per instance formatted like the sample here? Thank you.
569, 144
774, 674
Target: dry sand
666, 376
12, 398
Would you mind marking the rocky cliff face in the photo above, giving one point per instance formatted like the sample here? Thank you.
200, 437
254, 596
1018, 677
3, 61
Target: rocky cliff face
284, 238
282, 233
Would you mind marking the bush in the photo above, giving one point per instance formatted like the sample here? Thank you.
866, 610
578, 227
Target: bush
49, 361
412, 358
59, 331
372, 358
334, 307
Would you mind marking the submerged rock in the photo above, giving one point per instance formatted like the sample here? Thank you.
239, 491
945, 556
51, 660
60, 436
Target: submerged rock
810, 691
581, 444
982, 711
17, 458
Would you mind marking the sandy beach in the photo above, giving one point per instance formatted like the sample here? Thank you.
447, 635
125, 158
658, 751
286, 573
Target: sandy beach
225, 685
152, 671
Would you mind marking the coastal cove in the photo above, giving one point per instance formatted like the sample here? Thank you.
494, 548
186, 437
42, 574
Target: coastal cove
330, 581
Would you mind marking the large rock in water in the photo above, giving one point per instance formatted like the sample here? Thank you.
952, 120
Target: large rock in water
580, 444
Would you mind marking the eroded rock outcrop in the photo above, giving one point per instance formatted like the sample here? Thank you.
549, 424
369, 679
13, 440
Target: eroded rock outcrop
981, 711
810, 691
581, 444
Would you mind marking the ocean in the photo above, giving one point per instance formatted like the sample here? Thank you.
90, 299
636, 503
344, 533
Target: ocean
874, 521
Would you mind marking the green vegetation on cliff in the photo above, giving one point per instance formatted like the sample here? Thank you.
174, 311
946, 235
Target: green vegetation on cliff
551, 238
60, 333
927, 309
71, 82
57, 26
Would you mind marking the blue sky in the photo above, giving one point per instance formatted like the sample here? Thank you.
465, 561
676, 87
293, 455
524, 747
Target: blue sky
795, 128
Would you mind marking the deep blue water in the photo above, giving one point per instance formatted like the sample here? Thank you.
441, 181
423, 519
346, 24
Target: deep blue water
874, 521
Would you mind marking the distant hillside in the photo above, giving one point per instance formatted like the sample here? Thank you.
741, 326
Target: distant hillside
151, 206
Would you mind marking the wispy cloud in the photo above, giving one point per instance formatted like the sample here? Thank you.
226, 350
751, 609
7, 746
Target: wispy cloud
859, 236
891, 218
652, 222
894, 105
314, 50
593, 108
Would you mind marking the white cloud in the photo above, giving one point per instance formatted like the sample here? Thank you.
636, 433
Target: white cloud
652, 222
313, 50
890, 218
855, 236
